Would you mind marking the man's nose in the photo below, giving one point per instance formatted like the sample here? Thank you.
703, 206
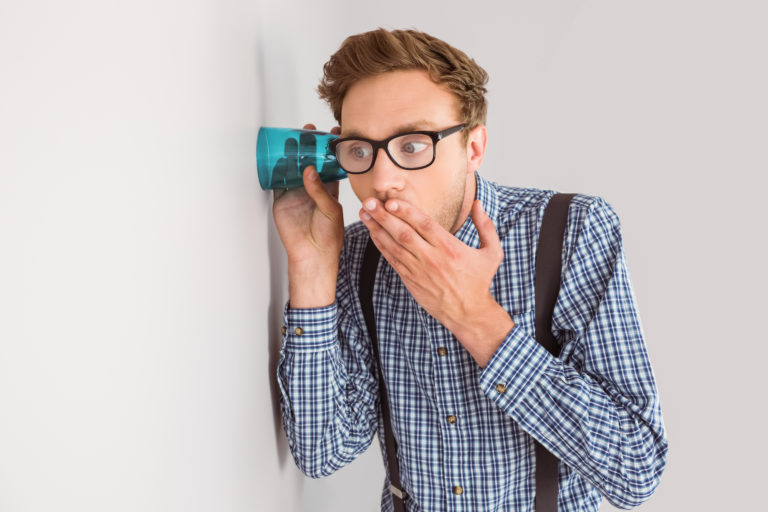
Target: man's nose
386, 176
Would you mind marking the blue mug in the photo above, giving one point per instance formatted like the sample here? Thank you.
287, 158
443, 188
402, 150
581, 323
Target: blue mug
282, 154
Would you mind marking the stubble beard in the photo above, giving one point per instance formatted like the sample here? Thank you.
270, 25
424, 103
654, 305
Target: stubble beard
449, 212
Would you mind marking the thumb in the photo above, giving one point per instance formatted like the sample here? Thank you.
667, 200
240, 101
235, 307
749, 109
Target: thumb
489, 238
325, 202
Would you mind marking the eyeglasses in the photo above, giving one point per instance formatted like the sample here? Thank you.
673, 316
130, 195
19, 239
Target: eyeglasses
409, 151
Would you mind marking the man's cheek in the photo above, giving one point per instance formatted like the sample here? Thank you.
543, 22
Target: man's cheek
359, 186
358, 192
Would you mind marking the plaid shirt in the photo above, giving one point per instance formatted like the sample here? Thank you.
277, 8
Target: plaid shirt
595, 406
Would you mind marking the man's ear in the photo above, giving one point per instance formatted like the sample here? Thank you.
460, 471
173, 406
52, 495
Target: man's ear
476, 141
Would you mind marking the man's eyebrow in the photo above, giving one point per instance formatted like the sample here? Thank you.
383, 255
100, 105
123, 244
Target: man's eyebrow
408, 127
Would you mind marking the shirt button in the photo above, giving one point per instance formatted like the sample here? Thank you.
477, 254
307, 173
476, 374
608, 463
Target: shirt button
284, 330
442, 351
299, 331
501, 388
451, 419
458, 490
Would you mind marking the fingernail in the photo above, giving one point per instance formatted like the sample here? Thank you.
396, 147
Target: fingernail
365, 216
392, 206
370, 205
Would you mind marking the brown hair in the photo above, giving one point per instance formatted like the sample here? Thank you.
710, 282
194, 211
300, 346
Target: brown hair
379, 51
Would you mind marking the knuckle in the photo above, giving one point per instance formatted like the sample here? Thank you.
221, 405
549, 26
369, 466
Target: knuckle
395, 250
405, 237
451, 253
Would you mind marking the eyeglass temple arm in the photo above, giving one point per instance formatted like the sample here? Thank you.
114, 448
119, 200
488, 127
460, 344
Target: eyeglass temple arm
449, 131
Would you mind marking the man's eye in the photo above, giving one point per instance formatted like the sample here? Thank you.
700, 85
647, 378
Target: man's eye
359, 152
413, 147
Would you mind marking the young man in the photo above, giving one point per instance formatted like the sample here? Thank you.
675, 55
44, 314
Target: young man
469, 387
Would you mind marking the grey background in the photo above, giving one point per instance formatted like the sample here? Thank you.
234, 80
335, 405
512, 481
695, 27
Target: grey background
142, 281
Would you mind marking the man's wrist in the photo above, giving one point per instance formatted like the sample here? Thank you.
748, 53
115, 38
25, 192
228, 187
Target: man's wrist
482, 333
312, 286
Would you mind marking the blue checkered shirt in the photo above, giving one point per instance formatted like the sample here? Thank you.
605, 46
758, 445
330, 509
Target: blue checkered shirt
595, 406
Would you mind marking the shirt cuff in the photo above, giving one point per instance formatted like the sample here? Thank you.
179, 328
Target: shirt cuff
309, 329
514, 368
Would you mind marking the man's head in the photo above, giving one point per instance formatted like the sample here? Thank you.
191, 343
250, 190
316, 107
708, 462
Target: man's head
380, 84
381, 51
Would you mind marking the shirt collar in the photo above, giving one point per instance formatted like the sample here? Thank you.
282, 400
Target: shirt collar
486, 193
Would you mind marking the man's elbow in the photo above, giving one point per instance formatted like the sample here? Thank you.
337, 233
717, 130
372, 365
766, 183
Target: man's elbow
640, 486
631, 499
313, 467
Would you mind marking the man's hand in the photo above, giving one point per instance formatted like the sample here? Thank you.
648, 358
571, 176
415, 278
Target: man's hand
449, 279
310, 222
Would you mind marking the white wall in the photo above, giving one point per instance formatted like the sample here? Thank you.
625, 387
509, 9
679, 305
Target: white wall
142, 282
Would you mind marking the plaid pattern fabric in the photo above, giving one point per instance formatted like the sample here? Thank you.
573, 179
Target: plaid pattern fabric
595, 406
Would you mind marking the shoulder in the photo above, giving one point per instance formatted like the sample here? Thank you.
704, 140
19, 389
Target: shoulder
535, 199
519, 201
592, 221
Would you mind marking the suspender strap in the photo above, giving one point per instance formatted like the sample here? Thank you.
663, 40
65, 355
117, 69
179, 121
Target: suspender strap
367, 278
547, 286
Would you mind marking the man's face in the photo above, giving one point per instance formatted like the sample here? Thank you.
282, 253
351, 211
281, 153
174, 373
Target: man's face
392, 103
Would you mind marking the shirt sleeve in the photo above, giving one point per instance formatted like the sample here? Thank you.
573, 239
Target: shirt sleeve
328, 392
595, 406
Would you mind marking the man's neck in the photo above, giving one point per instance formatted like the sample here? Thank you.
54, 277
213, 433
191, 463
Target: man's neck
470, 192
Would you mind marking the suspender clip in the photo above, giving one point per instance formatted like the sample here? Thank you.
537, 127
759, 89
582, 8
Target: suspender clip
398, 492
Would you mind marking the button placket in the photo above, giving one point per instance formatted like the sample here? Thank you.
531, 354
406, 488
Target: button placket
444, 371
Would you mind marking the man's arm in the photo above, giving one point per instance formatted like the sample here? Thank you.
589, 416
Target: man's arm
328, 391
596, 406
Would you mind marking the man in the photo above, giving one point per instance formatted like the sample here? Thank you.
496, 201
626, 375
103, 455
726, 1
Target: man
469, 387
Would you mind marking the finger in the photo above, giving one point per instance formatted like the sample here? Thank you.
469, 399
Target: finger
309, 126
399, 230
402, 260
324, 201
489, 238
427, 228
336, 130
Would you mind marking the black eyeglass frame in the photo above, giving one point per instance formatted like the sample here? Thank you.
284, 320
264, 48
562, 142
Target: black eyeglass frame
384, 144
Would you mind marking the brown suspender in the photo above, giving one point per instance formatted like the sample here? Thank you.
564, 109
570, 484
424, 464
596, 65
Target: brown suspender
547, 286
367, 278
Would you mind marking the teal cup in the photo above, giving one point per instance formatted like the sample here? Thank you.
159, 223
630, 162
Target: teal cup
282, 154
